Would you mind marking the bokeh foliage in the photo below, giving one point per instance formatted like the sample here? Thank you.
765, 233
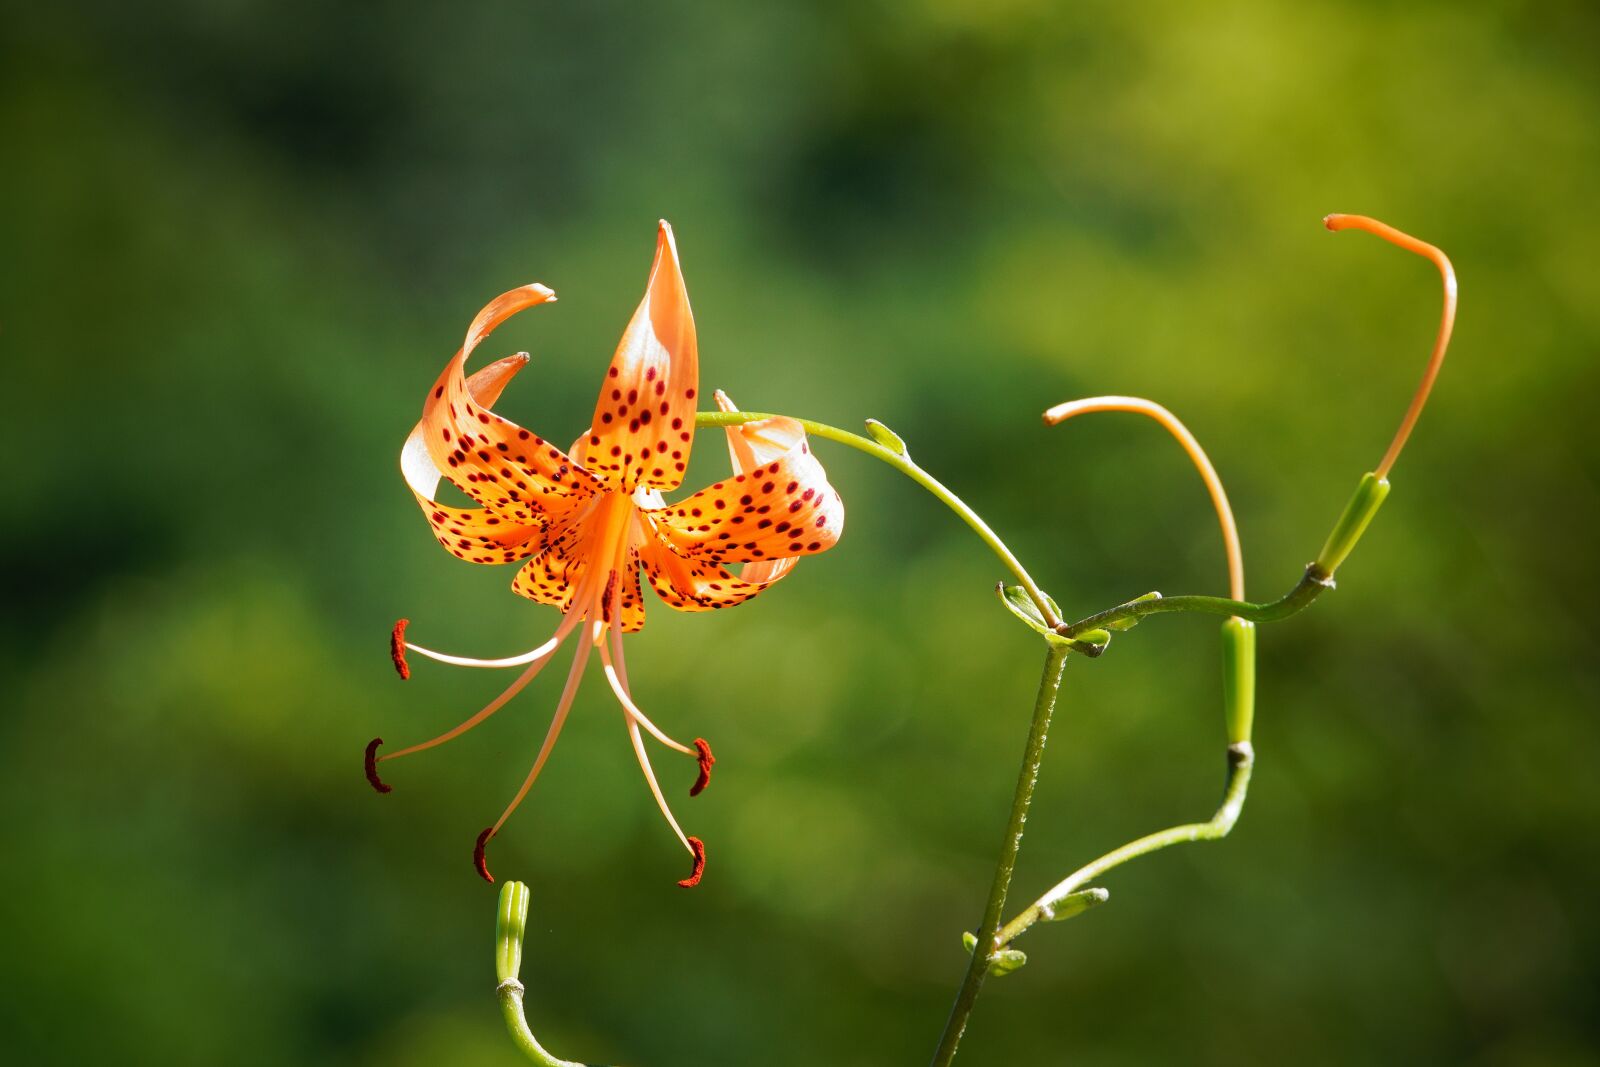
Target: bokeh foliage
241, 239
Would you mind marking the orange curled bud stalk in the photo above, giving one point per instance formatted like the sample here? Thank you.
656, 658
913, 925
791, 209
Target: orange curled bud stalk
703, 754
589, 526
1446, 320
699, 849
1208, 474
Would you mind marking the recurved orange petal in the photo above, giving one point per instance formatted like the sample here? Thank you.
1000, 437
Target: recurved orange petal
783, 509
492, 459
644, 419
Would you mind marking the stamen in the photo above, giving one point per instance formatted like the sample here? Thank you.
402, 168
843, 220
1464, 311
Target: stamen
619, 686
703, 748
570, 690
479, 860
1138, 405
1447, 319
699, 849
397, 649
650, 779
372, 766
483, 713
509, 661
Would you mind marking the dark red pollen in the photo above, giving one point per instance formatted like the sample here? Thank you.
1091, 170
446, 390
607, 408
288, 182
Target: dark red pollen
703, 753
699, 864
372, 766
397, 650
478, 859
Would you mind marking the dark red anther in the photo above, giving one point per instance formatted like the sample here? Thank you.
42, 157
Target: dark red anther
372, 766
699, 863
703, 748
478, 859
397, 650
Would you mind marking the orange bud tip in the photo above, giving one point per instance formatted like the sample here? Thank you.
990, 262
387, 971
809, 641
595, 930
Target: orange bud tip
372, 766
479, 861
703, 753
699, 848
397, 649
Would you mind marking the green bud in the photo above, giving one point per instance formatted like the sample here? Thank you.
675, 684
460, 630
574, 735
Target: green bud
1369, 495
509, 928
1004, 962
1239, 677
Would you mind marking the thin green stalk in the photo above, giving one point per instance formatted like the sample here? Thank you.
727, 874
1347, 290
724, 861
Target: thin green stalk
1311, 585
983, 952
1241, 759
901, 461
511, 922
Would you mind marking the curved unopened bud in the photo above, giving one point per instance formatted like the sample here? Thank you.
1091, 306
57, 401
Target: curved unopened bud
1447, 320
1138, 405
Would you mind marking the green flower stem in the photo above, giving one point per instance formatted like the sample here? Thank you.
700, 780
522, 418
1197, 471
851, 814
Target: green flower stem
1238, 714
901, 461
987, 946
1241, 759
510, 923
1311, 585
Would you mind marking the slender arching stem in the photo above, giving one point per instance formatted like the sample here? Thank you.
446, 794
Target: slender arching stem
902, 462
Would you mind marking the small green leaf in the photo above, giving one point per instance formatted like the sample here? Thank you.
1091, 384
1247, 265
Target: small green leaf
1007, 960
1020, 604
1073, 904
1004, 962
886, 437
1133, 620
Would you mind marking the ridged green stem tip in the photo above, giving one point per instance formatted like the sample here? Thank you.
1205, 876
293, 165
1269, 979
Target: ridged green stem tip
1364, 504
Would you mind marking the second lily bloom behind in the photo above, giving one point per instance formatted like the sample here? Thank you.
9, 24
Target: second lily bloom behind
590, 519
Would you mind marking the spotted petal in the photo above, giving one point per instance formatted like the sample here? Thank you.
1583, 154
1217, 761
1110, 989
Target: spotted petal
644, 419
692, 585
783, 509
496, 462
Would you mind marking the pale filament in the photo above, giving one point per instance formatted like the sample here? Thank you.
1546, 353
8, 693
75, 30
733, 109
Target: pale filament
1219, 496
1447, 320
510, 661
566, 627
655, 787
568, 692
619, 686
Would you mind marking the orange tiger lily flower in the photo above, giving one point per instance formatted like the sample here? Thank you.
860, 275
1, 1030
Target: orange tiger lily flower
589, 519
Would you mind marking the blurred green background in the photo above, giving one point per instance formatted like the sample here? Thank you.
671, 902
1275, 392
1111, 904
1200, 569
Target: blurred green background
240, 240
